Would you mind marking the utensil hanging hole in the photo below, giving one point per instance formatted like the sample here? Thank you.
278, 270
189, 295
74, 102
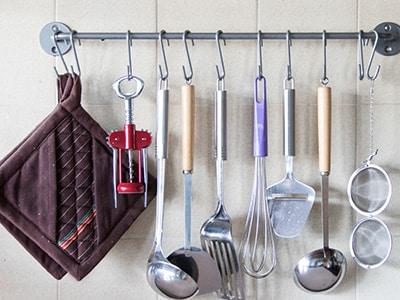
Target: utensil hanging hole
54, 50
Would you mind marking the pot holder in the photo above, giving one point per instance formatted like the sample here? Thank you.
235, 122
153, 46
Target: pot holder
56, 194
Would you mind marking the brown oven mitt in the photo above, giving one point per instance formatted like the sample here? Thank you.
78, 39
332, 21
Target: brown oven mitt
56, 195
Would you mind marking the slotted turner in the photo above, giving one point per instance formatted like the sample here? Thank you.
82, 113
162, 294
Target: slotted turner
290, 201
216, 232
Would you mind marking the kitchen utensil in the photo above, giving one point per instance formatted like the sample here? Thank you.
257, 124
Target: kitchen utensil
370, 243
216, 232
290, 201
369, 191
164, 277
257, 249
322, 270
197, 263
369, 188
128, 140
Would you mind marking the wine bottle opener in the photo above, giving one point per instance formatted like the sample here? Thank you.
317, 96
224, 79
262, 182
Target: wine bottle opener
128, 141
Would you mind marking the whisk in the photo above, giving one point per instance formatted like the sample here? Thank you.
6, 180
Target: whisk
257, 248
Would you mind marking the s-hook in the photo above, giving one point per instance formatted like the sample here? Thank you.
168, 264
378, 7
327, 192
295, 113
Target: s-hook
371, 58
324, 79
189, 77
163, 76
72, 41
220, 74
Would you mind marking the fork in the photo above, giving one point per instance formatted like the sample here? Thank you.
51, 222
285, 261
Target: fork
216, 232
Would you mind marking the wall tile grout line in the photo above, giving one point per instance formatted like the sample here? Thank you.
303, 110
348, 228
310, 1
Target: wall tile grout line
55, 96
258, 27
156, 43
157, 297
55, 57
354, 216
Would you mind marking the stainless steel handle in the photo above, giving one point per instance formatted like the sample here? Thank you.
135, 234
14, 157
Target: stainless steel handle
145, 175
160, 200
220, 125
115, 176
289, 122
162, 123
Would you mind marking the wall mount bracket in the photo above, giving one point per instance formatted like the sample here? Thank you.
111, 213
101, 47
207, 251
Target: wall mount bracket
391, 45
47, 35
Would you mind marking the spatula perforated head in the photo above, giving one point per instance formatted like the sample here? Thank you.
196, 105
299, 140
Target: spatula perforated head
290, 202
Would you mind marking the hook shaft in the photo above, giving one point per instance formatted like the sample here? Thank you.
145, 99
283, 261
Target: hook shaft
60, 54
220, 72
324, 79
130, 69
163, 76
361, 68
188, 77
259, 54
371, 58
289, 66
75, 54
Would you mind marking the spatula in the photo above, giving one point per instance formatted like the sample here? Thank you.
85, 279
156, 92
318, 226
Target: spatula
290, 200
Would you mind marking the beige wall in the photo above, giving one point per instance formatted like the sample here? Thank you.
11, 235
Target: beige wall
27, 93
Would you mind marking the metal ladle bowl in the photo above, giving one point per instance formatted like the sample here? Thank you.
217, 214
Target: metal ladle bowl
324, 269
170, 280
163, 276
321, 270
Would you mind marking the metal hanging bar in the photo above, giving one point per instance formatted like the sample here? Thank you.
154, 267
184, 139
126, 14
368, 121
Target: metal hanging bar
389, 36
224, 36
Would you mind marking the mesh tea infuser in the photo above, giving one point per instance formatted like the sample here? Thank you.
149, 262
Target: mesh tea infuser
369, 191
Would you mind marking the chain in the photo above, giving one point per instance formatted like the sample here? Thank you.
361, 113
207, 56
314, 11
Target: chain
371, 116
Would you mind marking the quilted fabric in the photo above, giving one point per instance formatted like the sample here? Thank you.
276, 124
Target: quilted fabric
76, 209
56, 193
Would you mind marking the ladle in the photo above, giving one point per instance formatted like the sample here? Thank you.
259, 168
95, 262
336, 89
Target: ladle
164, 277
194, 261
322, 270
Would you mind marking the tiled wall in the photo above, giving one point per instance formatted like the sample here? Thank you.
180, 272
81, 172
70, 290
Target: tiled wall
27, 94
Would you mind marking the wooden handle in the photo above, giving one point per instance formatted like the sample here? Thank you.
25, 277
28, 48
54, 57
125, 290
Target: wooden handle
188, 96
324, 128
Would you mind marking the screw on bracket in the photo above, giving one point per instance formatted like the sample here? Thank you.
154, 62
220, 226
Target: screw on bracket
389, 39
